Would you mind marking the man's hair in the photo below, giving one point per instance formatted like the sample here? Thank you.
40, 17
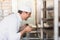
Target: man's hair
19, 11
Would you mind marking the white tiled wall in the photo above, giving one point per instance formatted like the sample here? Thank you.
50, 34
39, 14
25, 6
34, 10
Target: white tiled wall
5, 8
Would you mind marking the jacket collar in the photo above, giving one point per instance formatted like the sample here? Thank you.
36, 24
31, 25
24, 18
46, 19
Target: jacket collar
19, 17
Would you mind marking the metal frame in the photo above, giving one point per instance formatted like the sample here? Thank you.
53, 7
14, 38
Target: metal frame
55, 19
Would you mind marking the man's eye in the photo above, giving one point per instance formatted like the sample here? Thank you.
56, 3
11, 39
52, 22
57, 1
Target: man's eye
26, 12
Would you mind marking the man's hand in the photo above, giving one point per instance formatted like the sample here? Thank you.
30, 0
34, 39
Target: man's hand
25, 30
23, 27
28, 29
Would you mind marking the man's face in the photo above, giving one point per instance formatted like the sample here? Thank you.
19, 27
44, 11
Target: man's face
26, 15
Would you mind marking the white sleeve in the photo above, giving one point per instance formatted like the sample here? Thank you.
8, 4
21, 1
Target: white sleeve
13, 35
12, 31
10, 26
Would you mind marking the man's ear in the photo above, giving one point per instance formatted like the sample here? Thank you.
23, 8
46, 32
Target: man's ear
19, 11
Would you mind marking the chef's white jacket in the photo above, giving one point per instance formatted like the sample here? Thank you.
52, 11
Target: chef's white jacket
9, 27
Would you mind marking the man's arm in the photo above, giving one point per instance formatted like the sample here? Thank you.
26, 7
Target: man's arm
27, 29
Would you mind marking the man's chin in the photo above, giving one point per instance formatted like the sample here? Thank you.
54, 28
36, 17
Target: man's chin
25, 19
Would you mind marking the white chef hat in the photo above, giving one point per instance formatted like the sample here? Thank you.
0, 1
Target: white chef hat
25, 8
25, 5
